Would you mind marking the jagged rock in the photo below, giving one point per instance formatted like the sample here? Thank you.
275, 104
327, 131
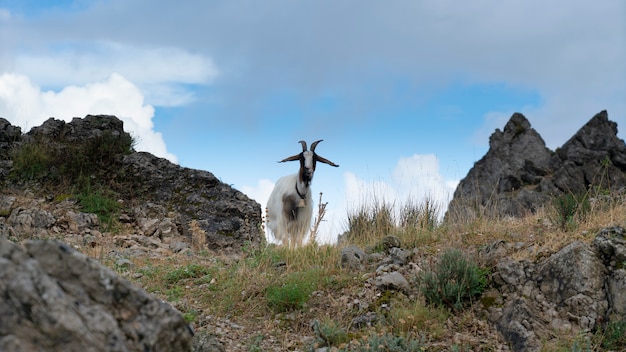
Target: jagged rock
517, 158
9, 134
594, 156
518, 325
53, 298
519, 174
78, 222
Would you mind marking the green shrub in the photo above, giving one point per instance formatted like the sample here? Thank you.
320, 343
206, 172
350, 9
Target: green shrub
52, 160
454, 280
293, 292
568, 209
100, 202
31, 162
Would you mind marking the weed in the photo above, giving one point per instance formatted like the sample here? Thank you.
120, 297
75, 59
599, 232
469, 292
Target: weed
613, 336
174, 293
31, 162
569, 208
293, 292
454, 280
189, 271
100, 202
387, 343
371, 221
420, 215
415, 316
321, 212
329, 333
255, 343
190, 315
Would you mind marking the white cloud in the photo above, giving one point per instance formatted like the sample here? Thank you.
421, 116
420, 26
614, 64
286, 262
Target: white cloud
160, 72
24, 104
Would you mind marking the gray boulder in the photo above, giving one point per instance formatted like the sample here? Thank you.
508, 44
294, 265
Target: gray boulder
575, 290
56, 299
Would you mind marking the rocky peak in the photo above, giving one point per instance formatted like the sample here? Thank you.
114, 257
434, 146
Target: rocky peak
519, 173
79, 129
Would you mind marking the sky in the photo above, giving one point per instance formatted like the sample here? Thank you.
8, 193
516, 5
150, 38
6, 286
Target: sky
404, 93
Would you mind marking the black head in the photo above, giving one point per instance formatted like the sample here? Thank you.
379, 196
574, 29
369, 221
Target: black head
308, 160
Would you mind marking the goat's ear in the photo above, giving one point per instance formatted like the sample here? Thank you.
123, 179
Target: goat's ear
291, 158
325, 161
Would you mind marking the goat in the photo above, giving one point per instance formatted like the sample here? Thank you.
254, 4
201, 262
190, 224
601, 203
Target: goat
290, 205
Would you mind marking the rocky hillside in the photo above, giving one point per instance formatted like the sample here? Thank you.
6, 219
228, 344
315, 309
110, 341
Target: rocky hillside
519, 174
106, 249
158, 197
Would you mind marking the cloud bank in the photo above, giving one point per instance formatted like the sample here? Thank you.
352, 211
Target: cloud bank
26, 105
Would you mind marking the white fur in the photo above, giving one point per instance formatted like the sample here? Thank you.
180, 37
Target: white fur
289, 233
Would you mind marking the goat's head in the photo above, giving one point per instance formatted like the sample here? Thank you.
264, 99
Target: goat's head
308, 160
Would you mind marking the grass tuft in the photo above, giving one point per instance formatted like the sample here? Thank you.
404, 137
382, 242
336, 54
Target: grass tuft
454, 280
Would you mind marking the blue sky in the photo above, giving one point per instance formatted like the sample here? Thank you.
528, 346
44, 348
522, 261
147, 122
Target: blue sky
404, 93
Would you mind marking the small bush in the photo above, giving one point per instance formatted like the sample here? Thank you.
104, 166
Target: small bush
288, 296
100, 202
31, 162
293, 292
454, 280
568, 209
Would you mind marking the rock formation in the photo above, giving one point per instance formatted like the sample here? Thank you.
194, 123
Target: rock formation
574, 290
519, 174
56, 299
178, 194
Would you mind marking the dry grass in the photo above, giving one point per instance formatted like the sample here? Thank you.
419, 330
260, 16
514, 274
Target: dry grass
211, 287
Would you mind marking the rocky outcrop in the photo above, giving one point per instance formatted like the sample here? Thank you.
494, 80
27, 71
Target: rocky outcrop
575, 290
56, 299
175, 195
519, 174
228, 217
572, 292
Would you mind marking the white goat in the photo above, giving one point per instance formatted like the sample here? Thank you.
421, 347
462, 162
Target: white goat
290, 206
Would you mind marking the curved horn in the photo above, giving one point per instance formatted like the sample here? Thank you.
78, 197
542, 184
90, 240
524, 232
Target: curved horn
315, 145
303, 146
